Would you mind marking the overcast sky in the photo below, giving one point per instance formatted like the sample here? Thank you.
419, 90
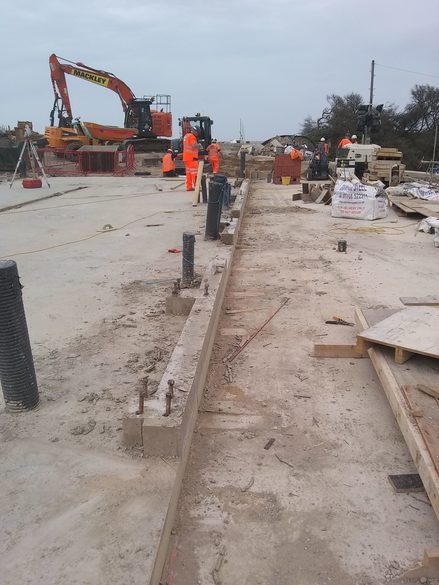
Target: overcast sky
270, 63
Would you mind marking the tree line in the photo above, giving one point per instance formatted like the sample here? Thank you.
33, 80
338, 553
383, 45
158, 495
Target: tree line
411, 128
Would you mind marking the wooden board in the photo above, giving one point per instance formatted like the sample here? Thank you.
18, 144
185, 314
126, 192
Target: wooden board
412, 330
425, 410
352, 350
431, 391
338, 350
419, 301
391, 375
196, 193
415, 206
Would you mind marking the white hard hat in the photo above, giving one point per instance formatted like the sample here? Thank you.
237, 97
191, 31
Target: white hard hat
322, 139
354, 136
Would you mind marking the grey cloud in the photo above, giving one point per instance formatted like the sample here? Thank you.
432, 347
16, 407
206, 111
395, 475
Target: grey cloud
269, 63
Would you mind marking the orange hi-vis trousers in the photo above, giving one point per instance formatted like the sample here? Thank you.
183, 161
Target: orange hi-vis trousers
214, 161
191, 174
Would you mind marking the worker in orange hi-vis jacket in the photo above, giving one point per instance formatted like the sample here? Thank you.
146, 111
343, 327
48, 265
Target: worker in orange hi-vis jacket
296, 154
213, 150
190, 158
168, 164
344, 141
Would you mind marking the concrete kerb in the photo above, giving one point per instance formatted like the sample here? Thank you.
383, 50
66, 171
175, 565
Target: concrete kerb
164, 435
180, 439
236, 210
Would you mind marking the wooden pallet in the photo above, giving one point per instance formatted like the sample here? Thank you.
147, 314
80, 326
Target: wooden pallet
414, 330
415, 206
416, 412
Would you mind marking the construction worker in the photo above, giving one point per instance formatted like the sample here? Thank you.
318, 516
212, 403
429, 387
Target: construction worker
354, 139
322, 156
296, 154
190, 158
168, 164
345, 141
324, 147
213, 151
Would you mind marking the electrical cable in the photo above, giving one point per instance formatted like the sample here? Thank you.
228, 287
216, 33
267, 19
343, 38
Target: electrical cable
98, 233
406, 70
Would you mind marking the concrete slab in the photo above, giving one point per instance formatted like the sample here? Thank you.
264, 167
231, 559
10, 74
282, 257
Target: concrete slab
95, 303
55, 241
72, 516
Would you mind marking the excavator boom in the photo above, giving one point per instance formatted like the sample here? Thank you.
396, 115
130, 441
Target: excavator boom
138, 114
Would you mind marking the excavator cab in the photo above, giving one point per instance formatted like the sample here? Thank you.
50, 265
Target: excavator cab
150, 123
138, 115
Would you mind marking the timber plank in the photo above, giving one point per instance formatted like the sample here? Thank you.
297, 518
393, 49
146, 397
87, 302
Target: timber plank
407, 423
353, 350
428, 390
196, 193
419, 301
334, 350
426, 411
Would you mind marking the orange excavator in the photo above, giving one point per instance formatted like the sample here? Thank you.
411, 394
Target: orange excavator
142, 123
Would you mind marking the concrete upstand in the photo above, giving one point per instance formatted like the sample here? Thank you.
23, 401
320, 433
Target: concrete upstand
171, 436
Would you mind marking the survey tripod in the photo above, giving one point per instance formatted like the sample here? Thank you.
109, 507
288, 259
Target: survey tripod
30, 148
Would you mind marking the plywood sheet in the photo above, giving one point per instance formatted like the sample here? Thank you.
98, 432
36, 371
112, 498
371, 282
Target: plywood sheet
415, 330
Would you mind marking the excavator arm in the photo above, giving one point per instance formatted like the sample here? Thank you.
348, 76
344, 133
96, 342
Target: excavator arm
138, 114
103, 78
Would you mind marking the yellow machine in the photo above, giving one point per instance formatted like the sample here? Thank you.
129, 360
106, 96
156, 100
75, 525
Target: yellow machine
64, 137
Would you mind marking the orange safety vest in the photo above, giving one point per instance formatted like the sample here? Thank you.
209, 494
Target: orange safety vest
190, 147
213, 150
167, 163
344, 142
296, 154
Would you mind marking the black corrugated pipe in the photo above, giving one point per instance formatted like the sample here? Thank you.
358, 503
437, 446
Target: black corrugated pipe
17, 372
214, 207
204, 188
